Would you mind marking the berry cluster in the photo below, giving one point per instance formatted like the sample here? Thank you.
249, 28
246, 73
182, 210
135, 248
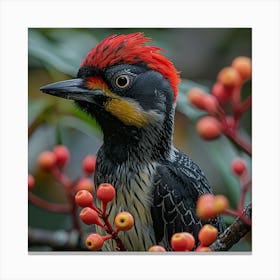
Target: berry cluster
92, 215
224, 105
54, 162
209, 206
79, 193
185, 241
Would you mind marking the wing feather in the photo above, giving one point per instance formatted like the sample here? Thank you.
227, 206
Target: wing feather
178, 184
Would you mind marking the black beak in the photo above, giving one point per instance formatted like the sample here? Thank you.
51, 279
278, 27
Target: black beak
72, 89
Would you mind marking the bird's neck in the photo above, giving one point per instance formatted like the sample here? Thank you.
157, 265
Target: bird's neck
147, 144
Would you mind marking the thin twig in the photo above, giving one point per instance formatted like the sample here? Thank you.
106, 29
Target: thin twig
241, 142
48, 206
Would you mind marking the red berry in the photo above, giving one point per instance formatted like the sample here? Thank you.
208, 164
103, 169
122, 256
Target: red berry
89, 163
62, 155
157, 248
85, 184
221, 92
243, 65
31, 182
229, 77
105, 192
124, 221
47, 160
220, 203
84, 198
196, 97
182, 241
90, 217
239, 166
209, 128
94, 242
207, 235
205, 207
203, 249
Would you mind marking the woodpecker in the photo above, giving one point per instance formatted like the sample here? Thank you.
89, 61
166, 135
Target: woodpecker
131, 89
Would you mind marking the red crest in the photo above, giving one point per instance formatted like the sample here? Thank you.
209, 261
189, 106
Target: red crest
131, 49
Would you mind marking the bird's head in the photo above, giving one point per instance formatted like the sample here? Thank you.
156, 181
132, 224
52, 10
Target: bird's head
123, 83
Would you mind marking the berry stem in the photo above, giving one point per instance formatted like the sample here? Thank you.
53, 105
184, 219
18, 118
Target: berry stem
104, 208
110, 230
240, 141
242, 217
75, 220
235, 101
68, 184
247, 103
106, 237
99, 212
241, 201
108, 226
48, 206
61, 177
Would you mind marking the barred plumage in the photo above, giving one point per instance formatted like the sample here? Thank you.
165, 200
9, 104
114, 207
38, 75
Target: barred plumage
155, 182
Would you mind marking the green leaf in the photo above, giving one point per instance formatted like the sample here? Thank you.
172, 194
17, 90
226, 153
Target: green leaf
41, 49
62, 49
38, 108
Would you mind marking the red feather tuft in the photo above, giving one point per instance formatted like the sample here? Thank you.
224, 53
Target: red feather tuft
131, 49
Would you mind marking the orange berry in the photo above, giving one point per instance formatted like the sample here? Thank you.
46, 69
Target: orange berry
243, 65
90, 217
203, 249
62, 155
210, 104
124, 221
220, 203
205, 198
182, 241
196, 97
239, 166
205, 207
221, 92
94, 242
229, 77
31, 182
84, 198
85, 184
47, 160
209, 127
207, 235
105, 192
157, 248
89, 163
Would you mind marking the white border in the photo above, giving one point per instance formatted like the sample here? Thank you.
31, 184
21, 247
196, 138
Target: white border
17, 16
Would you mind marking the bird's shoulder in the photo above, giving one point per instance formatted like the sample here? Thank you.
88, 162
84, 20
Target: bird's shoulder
180, 171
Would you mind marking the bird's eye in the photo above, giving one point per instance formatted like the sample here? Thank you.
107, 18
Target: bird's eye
122, 81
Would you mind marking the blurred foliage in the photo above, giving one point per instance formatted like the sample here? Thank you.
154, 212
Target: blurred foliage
56, 53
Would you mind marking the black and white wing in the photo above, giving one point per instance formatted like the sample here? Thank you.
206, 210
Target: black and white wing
178, 184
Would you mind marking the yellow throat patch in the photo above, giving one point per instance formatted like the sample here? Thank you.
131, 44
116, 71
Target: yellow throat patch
124, 109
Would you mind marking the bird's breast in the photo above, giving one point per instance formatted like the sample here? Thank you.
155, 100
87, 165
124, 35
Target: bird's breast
134, 193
